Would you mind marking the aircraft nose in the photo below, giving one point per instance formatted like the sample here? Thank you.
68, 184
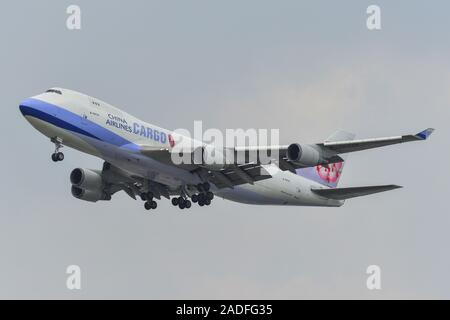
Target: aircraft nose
29, 107
22, 108
35, 108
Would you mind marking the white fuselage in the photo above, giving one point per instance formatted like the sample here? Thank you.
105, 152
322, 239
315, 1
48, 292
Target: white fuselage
97, 128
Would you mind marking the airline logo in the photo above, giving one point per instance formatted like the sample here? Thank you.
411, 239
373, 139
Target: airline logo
327, 175
138, 129
171, 141
331, 172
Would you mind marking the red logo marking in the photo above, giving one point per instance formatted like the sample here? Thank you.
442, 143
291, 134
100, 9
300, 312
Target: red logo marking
171, 141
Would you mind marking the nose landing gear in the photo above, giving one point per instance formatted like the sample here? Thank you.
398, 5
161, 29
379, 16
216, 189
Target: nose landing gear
57, 155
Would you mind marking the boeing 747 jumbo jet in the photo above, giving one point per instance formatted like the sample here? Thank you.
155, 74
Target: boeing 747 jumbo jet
138, 159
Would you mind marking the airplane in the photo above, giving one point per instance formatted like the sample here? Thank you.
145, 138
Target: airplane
138, 159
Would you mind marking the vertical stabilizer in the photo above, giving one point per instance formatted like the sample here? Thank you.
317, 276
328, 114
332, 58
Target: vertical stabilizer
328, 175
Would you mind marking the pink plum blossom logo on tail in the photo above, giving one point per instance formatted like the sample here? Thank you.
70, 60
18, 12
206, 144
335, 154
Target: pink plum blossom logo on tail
330, 173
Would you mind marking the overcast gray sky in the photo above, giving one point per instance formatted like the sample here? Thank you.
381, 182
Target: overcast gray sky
305, 68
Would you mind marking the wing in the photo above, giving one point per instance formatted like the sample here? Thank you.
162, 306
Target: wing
233, 175
226, 177
329, 151
248, 166
340, 147
117, 180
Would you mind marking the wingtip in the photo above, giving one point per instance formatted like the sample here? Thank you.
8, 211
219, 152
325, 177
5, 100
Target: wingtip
423, 135
392, 187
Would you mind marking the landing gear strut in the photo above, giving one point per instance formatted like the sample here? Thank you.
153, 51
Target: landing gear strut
57, 155
147, 196
203, 187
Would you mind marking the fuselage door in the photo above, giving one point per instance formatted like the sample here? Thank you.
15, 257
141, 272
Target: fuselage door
84, 118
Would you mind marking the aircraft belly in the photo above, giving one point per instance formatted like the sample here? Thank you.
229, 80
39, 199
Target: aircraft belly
281, 189
249, 194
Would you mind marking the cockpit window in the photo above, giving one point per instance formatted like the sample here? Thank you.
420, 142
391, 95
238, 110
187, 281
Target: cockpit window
54, 91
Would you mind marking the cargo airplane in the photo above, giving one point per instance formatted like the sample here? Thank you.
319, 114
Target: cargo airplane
138, 159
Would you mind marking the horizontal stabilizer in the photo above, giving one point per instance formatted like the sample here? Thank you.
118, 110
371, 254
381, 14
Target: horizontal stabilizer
347, 193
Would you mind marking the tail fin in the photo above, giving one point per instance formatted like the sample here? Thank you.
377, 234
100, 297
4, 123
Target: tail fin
328, 175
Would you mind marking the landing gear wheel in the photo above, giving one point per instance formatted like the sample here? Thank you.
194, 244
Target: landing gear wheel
201, 203
207, 202
206, 186
57, 156
188, 204
175, 201
147, 206
194, 198
153, 205
209, 195
181, 205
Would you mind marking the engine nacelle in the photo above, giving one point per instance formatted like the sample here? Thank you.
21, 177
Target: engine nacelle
86, 179
304, 155
91, 195
88, 185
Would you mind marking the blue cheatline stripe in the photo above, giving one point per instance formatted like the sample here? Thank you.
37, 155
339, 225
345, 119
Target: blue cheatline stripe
28, 111
65, 119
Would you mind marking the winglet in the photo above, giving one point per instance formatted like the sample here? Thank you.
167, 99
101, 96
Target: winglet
423, 135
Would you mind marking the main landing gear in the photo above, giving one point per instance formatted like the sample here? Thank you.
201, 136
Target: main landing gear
181, 203
203, 198
57, 155
149, 204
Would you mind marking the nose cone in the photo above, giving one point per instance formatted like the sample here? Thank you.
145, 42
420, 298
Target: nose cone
25, 110
34, 109
40, 114
28, 107
22, 109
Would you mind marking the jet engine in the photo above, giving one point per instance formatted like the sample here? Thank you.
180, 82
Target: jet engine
88, 185
305, 155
